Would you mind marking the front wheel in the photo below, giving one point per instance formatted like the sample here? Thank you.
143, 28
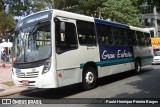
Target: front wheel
137, 67
89, 78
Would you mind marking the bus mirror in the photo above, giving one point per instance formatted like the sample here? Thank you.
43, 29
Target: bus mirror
62, 26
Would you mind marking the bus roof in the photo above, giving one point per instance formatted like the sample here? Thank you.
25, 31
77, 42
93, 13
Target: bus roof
139, 29
100, 21
46, 14
76, 16
60, 13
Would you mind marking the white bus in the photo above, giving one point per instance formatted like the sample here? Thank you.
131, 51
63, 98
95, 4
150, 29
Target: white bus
55, 48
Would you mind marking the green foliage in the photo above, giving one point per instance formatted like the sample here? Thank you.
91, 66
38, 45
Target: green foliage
137, 3
37, 6
59, 4
6, 24
157, 4
25, 7
89, 7
6, 21
2, 6
19, 7
122, 11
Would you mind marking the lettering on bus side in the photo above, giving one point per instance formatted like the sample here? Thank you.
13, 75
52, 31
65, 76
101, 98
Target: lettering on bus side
115, 52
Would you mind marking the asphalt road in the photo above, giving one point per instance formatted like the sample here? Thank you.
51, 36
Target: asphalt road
124, 85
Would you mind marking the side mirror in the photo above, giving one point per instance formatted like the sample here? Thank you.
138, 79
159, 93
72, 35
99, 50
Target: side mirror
62, 27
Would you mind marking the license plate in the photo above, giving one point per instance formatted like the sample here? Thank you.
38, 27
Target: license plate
18, 70
25, 82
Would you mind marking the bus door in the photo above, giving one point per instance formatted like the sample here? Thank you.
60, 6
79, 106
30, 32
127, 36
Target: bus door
66, 43
71, 52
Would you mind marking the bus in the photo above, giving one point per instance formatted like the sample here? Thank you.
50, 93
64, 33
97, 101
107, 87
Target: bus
54, 48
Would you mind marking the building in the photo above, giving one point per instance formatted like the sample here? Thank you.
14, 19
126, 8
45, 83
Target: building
151, 18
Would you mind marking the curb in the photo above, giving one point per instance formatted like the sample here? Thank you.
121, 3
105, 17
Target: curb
14, 91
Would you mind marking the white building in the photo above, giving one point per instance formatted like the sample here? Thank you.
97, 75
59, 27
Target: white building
151, 18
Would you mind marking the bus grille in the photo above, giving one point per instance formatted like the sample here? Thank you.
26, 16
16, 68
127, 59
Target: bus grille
27, 74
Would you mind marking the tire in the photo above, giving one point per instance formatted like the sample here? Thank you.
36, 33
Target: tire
137, 69
89, 78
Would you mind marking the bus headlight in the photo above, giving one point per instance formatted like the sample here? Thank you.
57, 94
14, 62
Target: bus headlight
47, 66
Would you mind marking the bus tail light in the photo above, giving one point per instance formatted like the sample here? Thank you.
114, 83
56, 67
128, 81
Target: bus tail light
47, 66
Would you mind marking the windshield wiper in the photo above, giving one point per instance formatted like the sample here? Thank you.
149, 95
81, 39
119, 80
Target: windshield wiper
35, 28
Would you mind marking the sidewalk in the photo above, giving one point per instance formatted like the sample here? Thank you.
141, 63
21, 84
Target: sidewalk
5, 76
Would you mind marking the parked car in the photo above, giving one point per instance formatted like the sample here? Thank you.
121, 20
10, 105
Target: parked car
155, 50
156, 59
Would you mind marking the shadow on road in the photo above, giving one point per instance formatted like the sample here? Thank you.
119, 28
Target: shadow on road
54, 93
148, 86
117, 77
77, 88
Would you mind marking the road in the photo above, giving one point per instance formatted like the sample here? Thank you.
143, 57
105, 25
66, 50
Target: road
124, 85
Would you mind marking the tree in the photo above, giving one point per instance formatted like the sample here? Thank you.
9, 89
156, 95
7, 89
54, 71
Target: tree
89, 7
157, 4
68, 5
122, 11
6, 24
2, 6
137, 3
19, 7
25, 7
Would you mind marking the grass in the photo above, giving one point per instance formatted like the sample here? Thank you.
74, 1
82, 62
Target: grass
9, 83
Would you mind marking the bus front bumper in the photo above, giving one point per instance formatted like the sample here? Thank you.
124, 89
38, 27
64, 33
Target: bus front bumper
47, 80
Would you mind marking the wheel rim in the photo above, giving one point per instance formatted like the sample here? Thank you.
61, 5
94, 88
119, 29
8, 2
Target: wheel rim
138, 67
89, 78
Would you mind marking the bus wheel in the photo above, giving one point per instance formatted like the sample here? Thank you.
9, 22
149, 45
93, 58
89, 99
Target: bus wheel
137, 67
89, 78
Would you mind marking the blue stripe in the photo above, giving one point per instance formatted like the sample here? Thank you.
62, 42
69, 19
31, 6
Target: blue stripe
110, 23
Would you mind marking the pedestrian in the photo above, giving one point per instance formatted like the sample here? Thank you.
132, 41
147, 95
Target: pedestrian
3, 58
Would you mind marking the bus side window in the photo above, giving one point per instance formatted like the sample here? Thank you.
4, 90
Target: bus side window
119, 36
131, 37
147, 39
140, 38
86, 33
104, 34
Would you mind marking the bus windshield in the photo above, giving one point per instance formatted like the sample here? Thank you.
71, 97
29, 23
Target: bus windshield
32, 43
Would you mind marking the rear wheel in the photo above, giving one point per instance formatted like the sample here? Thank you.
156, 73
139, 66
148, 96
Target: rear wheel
89, 78
137, 67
